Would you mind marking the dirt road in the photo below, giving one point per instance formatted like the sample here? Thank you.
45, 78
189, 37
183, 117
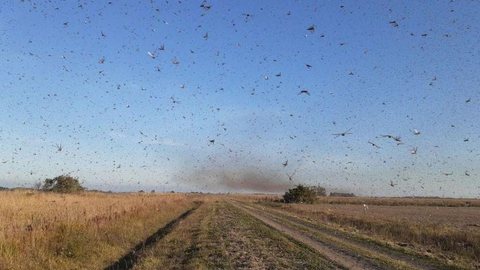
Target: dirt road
338, 246
229, 234
221, 236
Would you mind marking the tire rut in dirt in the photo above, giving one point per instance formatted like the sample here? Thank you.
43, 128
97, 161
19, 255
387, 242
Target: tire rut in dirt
409, 260
129, 259
338, 256
415, 261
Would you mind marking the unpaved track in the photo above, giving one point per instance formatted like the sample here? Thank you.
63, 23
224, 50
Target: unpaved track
409, 261
346, 260
348, 253
221, 236
129, 259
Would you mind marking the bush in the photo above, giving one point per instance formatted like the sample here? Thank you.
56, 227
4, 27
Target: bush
299, 194
62, 184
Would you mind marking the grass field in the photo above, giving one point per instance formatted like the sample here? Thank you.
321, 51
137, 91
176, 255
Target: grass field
89, 230
185, 231
409, 201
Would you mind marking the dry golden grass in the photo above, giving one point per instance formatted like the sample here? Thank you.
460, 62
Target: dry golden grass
79, 231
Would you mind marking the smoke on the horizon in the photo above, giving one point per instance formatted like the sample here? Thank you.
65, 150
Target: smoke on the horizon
238, 180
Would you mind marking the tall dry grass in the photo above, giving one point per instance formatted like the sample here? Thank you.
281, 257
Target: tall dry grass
79, 231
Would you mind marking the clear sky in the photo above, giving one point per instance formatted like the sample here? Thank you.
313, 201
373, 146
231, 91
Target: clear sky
191, 95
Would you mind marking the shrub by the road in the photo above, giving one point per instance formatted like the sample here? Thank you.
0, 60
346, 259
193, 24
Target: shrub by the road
300, 194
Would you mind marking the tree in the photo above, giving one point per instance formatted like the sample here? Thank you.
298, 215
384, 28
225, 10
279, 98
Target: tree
62, 184
299, 194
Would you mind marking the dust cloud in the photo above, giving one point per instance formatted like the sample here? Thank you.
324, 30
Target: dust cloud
237, 180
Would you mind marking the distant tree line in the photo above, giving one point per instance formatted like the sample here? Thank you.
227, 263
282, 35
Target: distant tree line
341, 194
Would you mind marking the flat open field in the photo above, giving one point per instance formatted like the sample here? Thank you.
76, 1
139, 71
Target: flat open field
461, 217
420, 201
194, 231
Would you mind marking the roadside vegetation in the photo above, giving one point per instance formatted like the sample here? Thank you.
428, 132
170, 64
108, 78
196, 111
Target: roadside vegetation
300, 194
47, 230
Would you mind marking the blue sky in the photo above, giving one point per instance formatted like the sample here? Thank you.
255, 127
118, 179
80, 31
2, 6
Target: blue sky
140, 121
